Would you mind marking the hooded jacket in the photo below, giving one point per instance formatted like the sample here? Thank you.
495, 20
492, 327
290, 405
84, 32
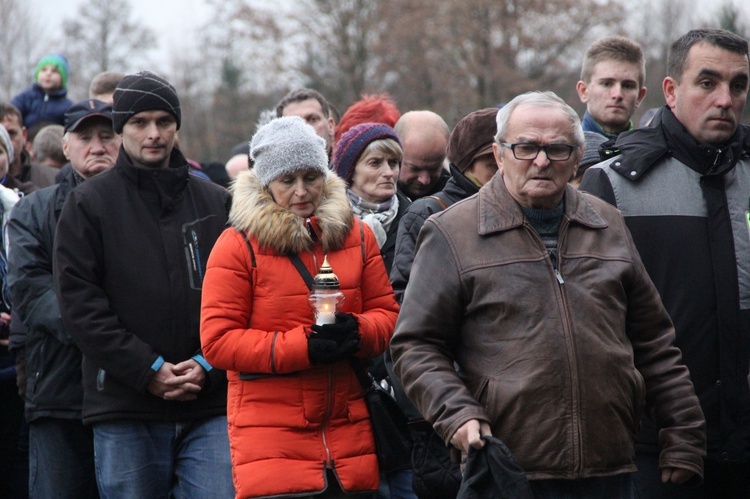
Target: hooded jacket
685, 204
559, 361
290, 420
129, 253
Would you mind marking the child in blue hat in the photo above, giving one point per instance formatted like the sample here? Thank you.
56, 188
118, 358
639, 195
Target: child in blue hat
46, 99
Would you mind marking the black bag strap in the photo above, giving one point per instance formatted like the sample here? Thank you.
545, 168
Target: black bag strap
362, 239
365, 379
303, 272
249, 246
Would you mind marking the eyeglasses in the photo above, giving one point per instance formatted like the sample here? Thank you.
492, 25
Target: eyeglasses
529, 150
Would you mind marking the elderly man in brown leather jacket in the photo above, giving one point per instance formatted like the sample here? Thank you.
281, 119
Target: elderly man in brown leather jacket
542, 327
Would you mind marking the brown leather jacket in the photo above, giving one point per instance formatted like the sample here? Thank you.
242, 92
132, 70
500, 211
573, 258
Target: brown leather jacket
561, 363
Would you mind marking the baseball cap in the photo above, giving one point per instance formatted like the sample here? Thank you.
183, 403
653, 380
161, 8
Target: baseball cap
84, 110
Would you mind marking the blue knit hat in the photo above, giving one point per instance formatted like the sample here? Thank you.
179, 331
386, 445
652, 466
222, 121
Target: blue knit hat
57, 60
352, 144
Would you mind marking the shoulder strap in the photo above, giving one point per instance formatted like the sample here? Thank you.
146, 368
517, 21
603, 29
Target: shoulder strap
440, 202
303, 272
249, 247
362, 239
365, 378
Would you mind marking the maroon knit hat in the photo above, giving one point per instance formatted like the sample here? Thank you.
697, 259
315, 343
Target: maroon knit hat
352, 144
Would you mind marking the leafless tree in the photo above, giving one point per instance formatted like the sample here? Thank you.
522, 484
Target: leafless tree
103, 37
22, 42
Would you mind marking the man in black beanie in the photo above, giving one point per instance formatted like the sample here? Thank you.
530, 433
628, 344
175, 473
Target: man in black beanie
130, 250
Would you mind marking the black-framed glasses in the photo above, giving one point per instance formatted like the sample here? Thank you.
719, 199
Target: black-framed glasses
529, 150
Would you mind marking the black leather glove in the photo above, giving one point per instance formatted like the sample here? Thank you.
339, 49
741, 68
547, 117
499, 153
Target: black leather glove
331, 343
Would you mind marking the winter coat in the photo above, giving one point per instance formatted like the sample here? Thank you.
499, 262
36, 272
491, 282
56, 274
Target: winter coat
53, 362
290, 420
37, 105
388, 250
457, 188
685, 204
129, 253
560, 361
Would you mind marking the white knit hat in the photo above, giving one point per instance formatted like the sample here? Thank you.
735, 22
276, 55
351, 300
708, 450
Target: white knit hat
6, 143
287, 145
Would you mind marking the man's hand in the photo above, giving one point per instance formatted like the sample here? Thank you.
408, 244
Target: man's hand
470, 435
4, 329
676, 475
180, 382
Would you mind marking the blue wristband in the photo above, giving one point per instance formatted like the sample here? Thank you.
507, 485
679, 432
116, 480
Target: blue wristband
202, 361
157, 364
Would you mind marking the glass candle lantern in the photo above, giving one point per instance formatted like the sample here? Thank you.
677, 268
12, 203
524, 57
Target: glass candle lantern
325, 297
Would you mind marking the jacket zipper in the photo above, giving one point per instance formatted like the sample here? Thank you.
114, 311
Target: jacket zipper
555, 263
715, 163
326, 416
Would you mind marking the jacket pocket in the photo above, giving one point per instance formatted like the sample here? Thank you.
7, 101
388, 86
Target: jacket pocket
271, 401
479, 390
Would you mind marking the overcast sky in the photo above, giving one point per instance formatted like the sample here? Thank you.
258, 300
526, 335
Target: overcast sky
171, 20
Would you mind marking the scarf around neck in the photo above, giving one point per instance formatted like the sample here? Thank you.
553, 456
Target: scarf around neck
378, 216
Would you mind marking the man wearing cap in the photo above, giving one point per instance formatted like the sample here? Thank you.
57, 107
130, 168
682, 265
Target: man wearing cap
61, 450
130, 251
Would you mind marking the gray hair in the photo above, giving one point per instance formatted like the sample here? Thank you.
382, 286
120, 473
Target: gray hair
540, 99
48, 144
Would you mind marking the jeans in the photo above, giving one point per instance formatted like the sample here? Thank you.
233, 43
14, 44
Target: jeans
155, 459
611, 487
61, 459
399, 484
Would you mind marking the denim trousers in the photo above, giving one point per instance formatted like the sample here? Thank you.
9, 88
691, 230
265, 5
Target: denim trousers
61, 459
399, 484
156, 459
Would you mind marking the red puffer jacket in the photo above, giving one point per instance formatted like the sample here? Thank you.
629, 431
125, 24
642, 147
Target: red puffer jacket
289, 420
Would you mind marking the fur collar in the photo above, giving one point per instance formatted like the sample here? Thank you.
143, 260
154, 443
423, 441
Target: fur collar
255, 212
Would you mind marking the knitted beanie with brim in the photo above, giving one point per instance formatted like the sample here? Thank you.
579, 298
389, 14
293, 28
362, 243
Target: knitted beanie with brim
6, 143
285, 146
60, 62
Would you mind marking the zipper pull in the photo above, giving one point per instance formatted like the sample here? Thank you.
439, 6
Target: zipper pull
553, 259
559, 277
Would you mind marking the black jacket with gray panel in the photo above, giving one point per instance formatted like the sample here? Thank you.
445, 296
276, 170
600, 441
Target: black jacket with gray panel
686, 205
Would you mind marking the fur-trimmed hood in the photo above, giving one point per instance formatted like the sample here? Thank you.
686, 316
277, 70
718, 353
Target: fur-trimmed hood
255, 212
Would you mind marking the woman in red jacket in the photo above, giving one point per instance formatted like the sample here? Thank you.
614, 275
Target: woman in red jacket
298, 423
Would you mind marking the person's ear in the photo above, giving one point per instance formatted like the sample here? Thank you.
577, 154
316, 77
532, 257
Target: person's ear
497, 153
583, 91
669, 86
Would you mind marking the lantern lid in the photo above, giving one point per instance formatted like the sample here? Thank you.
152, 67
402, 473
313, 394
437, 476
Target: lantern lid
326, 279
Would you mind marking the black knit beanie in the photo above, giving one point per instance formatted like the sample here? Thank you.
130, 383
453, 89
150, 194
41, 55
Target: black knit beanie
143, 91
